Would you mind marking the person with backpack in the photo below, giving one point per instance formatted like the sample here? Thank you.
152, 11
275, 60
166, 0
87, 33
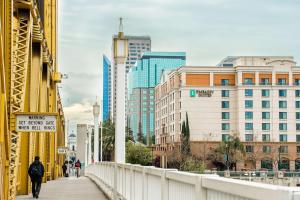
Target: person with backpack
64, 168
36, 173
78, 167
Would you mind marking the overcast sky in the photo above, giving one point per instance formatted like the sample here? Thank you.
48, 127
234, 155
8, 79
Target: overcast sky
208, 30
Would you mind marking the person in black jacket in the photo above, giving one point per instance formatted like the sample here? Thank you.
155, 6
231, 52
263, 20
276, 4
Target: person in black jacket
36, 173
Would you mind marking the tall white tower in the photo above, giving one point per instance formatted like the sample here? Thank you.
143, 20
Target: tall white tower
120, 54
96, 112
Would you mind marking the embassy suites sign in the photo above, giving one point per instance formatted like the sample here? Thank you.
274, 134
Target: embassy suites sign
201, 93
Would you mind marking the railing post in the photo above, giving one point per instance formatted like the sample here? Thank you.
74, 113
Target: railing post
144, 186
164, 186
115, 182
132, 197
200, 191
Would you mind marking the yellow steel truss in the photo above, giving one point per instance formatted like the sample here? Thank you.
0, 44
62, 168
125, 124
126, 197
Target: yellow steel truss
28, 78
18, 86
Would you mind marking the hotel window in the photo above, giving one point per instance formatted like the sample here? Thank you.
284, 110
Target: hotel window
297, 127
266, 149
225, 137
297, 104
265, 104
298, 149
248, 92
297, 93
283, 138
248, 115
248, 126
281, 81
297, 82
225, 93
266, 137
282, 104
297, 115
225, 126
297, 138
265, 115
224, 82
225, 104
282, 126
283, 149
249, 137
249, 148
265, 81
265, 93
265, 126
282, 93
282, 115
225, 115
248, 81
248, 104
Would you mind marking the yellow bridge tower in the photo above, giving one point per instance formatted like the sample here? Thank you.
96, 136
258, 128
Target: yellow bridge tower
28, 83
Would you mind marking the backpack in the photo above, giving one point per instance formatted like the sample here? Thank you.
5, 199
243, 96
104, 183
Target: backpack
35, 171
77, 164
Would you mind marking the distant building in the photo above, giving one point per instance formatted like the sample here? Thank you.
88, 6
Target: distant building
142, 78
81, 142
72, 142
137, 45
257, 98
106, 106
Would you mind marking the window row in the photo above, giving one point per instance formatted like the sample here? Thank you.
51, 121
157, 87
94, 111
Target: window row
264, 93
264, 126
264, 104
265, 137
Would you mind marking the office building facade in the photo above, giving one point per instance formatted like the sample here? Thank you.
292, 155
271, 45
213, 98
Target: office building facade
257, 98
106, 105
142, 78
137, 45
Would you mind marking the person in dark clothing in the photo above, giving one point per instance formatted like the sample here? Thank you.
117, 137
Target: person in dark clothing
36, 173
64, 168
78, 167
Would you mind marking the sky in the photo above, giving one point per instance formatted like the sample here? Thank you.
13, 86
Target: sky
207, 30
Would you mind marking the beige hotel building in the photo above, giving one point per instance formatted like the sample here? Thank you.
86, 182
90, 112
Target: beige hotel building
255, 97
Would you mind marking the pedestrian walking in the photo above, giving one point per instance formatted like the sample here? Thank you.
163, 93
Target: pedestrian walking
36, 173
78, 167
64, 168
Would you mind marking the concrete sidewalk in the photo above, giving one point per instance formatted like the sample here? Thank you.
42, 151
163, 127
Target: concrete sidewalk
69, 189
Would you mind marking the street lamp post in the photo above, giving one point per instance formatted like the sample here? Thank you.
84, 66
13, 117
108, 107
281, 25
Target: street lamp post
120, 54
96, 112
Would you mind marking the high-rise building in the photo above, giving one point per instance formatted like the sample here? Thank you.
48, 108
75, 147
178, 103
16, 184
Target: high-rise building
106, 106
137, 45
256, 98
142, 78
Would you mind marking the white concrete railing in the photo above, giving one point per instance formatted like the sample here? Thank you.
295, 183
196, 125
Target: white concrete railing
135, 182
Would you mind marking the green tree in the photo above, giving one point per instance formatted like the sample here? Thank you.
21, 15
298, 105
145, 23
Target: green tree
140, 137
185, 137
137, 153
192, 164
229, 152
129, 134
108, 135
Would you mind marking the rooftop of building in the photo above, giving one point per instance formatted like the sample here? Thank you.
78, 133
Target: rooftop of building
231, 61
163, 54
106, 59
134, 37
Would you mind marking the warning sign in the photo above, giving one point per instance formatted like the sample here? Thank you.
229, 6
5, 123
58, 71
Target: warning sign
62, 150
35, 122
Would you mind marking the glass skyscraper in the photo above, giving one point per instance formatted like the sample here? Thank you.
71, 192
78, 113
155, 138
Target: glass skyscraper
142, 78
106, 88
